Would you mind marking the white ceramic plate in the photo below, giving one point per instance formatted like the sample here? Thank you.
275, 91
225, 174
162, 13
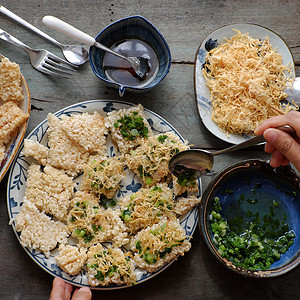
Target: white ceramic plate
13, 146
202, 91
18, 175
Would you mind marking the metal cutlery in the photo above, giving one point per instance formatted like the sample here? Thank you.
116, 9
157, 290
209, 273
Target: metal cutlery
42, 60
140, 65
76, 55
196, 162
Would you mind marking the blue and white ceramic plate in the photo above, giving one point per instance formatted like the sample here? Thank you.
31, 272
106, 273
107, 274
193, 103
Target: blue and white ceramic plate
14, 144
202, 91
18, 175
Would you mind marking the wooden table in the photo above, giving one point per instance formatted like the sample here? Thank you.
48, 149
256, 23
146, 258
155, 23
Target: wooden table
184, 24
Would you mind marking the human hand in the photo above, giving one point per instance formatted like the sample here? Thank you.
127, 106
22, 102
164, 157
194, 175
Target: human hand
283, 147
63, 291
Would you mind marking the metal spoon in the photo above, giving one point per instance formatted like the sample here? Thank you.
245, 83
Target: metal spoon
197, 162
140, 65
294, 92
76, 55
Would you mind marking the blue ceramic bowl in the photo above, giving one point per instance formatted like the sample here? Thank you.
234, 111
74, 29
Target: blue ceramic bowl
135, 27
254, 179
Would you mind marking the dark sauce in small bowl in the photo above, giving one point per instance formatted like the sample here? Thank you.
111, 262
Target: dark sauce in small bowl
119, 70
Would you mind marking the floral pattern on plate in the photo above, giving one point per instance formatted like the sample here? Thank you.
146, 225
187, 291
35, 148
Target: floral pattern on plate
18, 174
202, 91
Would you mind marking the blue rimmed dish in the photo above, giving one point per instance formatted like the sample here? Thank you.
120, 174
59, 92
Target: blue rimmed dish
134, 27
202, 91
236, 187
18, 175
14, 144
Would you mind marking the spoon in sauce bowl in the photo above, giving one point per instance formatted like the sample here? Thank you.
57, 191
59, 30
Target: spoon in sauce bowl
197, 162
140, 65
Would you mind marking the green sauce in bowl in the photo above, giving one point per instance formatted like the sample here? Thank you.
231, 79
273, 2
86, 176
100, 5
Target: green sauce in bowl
249, 217
254, 242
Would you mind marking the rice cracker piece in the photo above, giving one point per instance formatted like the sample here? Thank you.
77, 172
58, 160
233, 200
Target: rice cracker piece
150, 160
50, 191
91, 224
11, 118
36, 150
184, 184
64, 153
102, 175
109, 266
38, 230
128, 127
146, 207
2, 152
71, 258
157, 245
10, 81
87, 130
184, 205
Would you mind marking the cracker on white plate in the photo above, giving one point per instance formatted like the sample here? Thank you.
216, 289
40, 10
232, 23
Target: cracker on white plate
87, 130
2, 152
11, 118
38, 230
36, 150
10, 81
157, 245
64, 153
102, 175
115, 121
184, 205
91, 224
150, 160
109, 266
50, 190
71, 258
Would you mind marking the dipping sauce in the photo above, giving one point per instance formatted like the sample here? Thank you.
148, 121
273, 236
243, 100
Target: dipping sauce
119, 70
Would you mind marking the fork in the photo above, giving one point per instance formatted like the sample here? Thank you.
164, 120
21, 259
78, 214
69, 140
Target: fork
42, 60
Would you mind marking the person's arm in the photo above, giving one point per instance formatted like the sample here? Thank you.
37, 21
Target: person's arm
283, 147
62, 291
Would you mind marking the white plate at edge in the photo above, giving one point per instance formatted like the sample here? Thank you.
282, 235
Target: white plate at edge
13, 146
202, 91
18, 175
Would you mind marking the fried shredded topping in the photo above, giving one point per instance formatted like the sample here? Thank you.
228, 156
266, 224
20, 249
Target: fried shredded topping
147, 206
103, 175
111, 262
153, 244
247, 80
150, 160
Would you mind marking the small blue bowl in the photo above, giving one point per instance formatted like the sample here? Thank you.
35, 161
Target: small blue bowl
135, 27
254, 180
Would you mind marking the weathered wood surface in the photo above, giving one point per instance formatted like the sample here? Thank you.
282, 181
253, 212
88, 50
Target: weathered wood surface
184, 24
